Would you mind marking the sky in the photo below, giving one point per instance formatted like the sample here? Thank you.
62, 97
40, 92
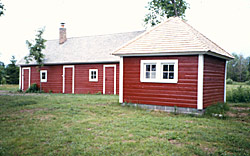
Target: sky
225, 22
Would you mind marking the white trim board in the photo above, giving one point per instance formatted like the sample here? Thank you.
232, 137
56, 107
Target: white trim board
225, 83
104, 66
200, 82
23, 75
121, 80
73, 78
20, 77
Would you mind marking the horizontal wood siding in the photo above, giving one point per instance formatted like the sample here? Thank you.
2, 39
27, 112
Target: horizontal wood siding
181, 94
54, 78
82, 84
213, 87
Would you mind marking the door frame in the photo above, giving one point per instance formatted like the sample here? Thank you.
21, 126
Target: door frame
23, 76
73, 77
110, 65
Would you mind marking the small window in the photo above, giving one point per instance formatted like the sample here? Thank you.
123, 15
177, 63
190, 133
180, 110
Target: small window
150, 71
43, 75
93, 74
162, 71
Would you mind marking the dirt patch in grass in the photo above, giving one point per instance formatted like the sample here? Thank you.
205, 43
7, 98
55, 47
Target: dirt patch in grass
32, 110
208, 149
46, 117
175, 142
240, 108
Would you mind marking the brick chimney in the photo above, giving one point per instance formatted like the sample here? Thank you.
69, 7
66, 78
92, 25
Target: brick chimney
62, 34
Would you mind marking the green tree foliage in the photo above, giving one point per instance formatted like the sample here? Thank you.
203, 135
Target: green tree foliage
2, 73
12, 72
237, 69
2, 9
161, 9
35, 50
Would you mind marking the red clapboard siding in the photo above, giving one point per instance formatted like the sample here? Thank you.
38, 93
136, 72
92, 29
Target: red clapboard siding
82, 84
214, 77
54, 78
181, 94
25, 79
109, 80
68, 80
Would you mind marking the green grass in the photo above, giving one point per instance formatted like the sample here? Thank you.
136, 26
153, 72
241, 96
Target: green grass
236, 85
56, 124
8, 87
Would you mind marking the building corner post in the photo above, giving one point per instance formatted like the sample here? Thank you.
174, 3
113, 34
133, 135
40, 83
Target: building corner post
225, 83
200, 82
121, 80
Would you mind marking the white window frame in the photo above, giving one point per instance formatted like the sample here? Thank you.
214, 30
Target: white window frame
94, 79
159, 71
41, 72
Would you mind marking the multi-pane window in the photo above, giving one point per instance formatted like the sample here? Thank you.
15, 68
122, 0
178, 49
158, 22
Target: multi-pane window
43, 75
162, 71
150, 71
93, 74
168, 71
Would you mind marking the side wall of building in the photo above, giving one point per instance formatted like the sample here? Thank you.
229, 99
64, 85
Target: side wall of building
82, 84
180, 94
213, 81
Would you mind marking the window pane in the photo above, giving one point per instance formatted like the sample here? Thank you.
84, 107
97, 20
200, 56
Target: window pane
171, 75
153, 67
165, 67
147, 67
171, 67
147, 75
165, 75
43, 76
153, 75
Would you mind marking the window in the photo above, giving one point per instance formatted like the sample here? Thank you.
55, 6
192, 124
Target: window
93, 74
43, 75
162, 71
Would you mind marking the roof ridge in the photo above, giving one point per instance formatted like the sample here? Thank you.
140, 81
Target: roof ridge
208, 40
99, 35
141, 35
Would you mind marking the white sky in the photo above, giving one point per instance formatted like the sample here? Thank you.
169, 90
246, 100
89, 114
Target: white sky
226, 22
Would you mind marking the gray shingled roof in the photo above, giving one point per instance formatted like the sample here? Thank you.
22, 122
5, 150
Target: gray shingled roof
87, 49
171, 37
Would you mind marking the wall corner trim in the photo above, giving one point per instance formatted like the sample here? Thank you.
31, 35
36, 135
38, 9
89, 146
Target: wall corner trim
225, 83
200, 82
121, 80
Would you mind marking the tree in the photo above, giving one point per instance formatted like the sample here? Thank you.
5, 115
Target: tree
237, 69
35, 51
161, 9
12, 72
2, 73
2, 9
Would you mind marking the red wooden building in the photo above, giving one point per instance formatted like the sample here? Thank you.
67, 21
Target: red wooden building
172, 65
77, 65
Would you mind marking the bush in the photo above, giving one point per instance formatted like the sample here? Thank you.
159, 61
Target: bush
217, 110
239, 95
229, 81
247, 82
33, 89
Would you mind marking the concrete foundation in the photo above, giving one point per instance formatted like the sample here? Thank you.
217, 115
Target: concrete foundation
181, 110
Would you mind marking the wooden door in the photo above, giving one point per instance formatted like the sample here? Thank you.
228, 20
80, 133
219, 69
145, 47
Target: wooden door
25, 78
68, 79
109, 84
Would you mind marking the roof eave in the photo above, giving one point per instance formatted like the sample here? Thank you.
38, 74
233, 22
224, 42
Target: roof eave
176, 53
71, 63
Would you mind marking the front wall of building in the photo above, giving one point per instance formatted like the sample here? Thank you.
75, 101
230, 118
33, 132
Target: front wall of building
180, 94
82, 85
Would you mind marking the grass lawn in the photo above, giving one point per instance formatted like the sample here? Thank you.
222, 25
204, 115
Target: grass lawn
8, 87
56, 124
